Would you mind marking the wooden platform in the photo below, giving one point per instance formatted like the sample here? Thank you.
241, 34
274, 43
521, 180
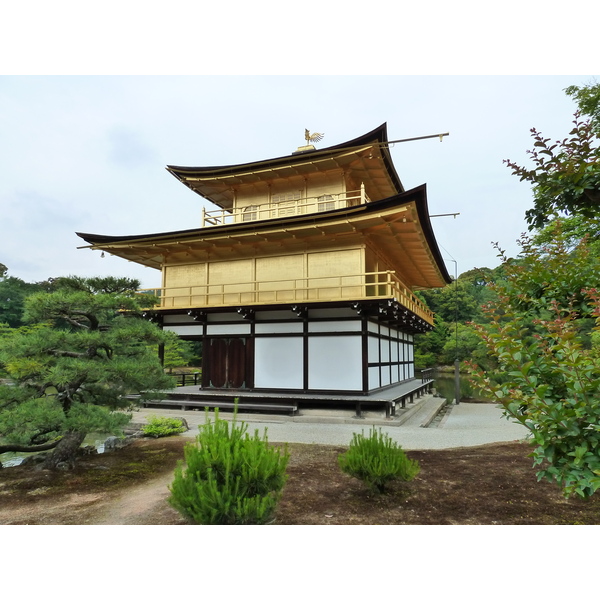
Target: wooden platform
191, 397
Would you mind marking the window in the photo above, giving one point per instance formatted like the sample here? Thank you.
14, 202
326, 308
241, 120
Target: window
250, 213
286, 203
325, 202
287, 197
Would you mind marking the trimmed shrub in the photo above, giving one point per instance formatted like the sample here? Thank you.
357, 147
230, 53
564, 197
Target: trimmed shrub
377, 460
230, 477
162, 427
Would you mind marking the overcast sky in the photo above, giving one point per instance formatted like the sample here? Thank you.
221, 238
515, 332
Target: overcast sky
87, 153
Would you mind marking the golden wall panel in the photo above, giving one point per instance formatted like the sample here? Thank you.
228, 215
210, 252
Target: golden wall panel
185, 275
328, 271
272, 268
230, 282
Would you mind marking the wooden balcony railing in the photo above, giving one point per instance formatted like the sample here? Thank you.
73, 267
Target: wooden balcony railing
363, 286
286, 208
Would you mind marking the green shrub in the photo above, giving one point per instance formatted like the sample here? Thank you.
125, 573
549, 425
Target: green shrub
377, 460
162, 427
230, 478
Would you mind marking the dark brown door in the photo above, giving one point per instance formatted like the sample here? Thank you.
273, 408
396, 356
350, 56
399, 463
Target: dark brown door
227, 363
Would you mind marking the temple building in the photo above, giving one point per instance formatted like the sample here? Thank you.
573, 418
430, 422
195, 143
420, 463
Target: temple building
300, 281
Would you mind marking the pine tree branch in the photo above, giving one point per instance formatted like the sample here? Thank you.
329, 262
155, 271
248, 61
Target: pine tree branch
20, 448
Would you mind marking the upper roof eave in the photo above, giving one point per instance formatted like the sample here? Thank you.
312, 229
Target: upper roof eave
376, 136
417, 195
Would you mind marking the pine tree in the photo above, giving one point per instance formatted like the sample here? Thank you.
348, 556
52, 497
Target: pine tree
74, 369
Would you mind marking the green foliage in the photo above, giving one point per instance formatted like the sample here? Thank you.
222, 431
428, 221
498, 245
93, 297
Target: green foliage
178, 352
13, 292
588, 101
546, 378
162, 427
230, 478
462, 343
455, 307
566, 174
89, 344
548, 274
377, 460
573, 230
454, 302
33, 421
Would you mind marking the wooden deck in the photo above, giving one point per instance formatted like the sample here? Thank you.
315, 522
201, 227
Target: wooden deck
191, 397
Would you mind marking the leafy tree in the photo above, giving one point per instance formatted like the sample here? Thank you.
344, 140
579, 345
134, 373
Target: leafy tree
178, 352
588, 101
462, 343
454, 302
552, 273
573, 229
455, 306
545, 377
566, 174
430, 346
13, 292
74, 370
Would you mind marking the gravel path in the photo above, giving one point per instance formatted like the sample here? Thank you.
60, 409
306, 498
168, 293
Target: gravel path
464, 425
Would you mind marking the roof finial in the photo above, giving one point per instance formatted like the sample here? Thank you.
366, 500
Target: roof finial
315, 137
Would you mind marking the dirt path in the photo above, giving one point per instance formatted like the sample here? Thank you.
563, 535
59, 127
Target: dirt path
125, 487
144, 504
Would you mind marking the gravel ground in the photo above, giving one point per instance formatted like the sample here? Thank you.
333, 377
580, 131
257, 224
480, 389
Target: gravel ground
463, 425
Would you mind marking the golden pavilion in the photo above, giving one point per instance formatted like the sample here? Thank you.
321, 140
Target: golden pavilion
299, 282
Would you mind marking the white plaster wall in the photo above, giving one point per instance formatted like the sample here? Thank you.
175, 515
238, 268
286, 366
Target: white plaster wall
373, 349
373, 378
394, 351
278, 363
279, 327
184, 329
385, 351
385, 376
231, 316
233, 329
178, 319
333, 326
335, 363
331, 313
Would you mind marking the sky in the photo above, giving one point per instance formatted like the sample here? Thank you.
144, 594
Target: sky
87, 153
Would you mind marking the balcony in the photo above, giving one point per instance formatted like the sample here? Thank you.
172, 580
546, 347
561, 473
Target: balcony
380, 285
284, 205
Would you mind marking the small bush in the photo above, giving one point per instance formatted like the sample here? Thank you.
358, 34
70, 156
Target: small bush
230, 477
162, 427
376, 460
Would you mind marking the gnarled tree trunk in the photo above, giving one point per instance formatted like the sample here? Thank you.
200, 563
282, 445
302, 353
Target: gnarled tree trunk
66, 450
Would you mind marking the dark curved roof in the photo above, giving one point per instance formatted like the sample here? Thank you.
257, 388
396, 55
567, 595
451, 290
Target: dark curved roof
377, 136
417, 195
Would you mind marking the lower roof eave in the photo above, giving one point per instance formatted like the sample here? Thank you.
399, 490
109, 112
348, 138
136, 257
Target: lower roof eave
388, 310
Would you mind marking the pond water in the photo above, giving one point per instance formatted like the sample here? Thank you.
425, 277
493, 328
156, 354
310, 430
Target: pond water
444, 384
12, 459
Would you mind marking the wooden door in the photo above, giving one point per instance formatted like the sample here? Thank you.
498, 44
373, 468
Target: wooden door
227, 363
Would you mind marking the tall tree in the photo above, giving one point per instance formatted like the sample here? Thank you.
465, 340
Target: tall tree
566, 174
75, 371
13, 292
545, 377
588, 101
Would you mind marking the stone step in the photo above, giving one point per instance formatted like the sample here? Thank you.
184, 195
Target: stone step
423, 413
